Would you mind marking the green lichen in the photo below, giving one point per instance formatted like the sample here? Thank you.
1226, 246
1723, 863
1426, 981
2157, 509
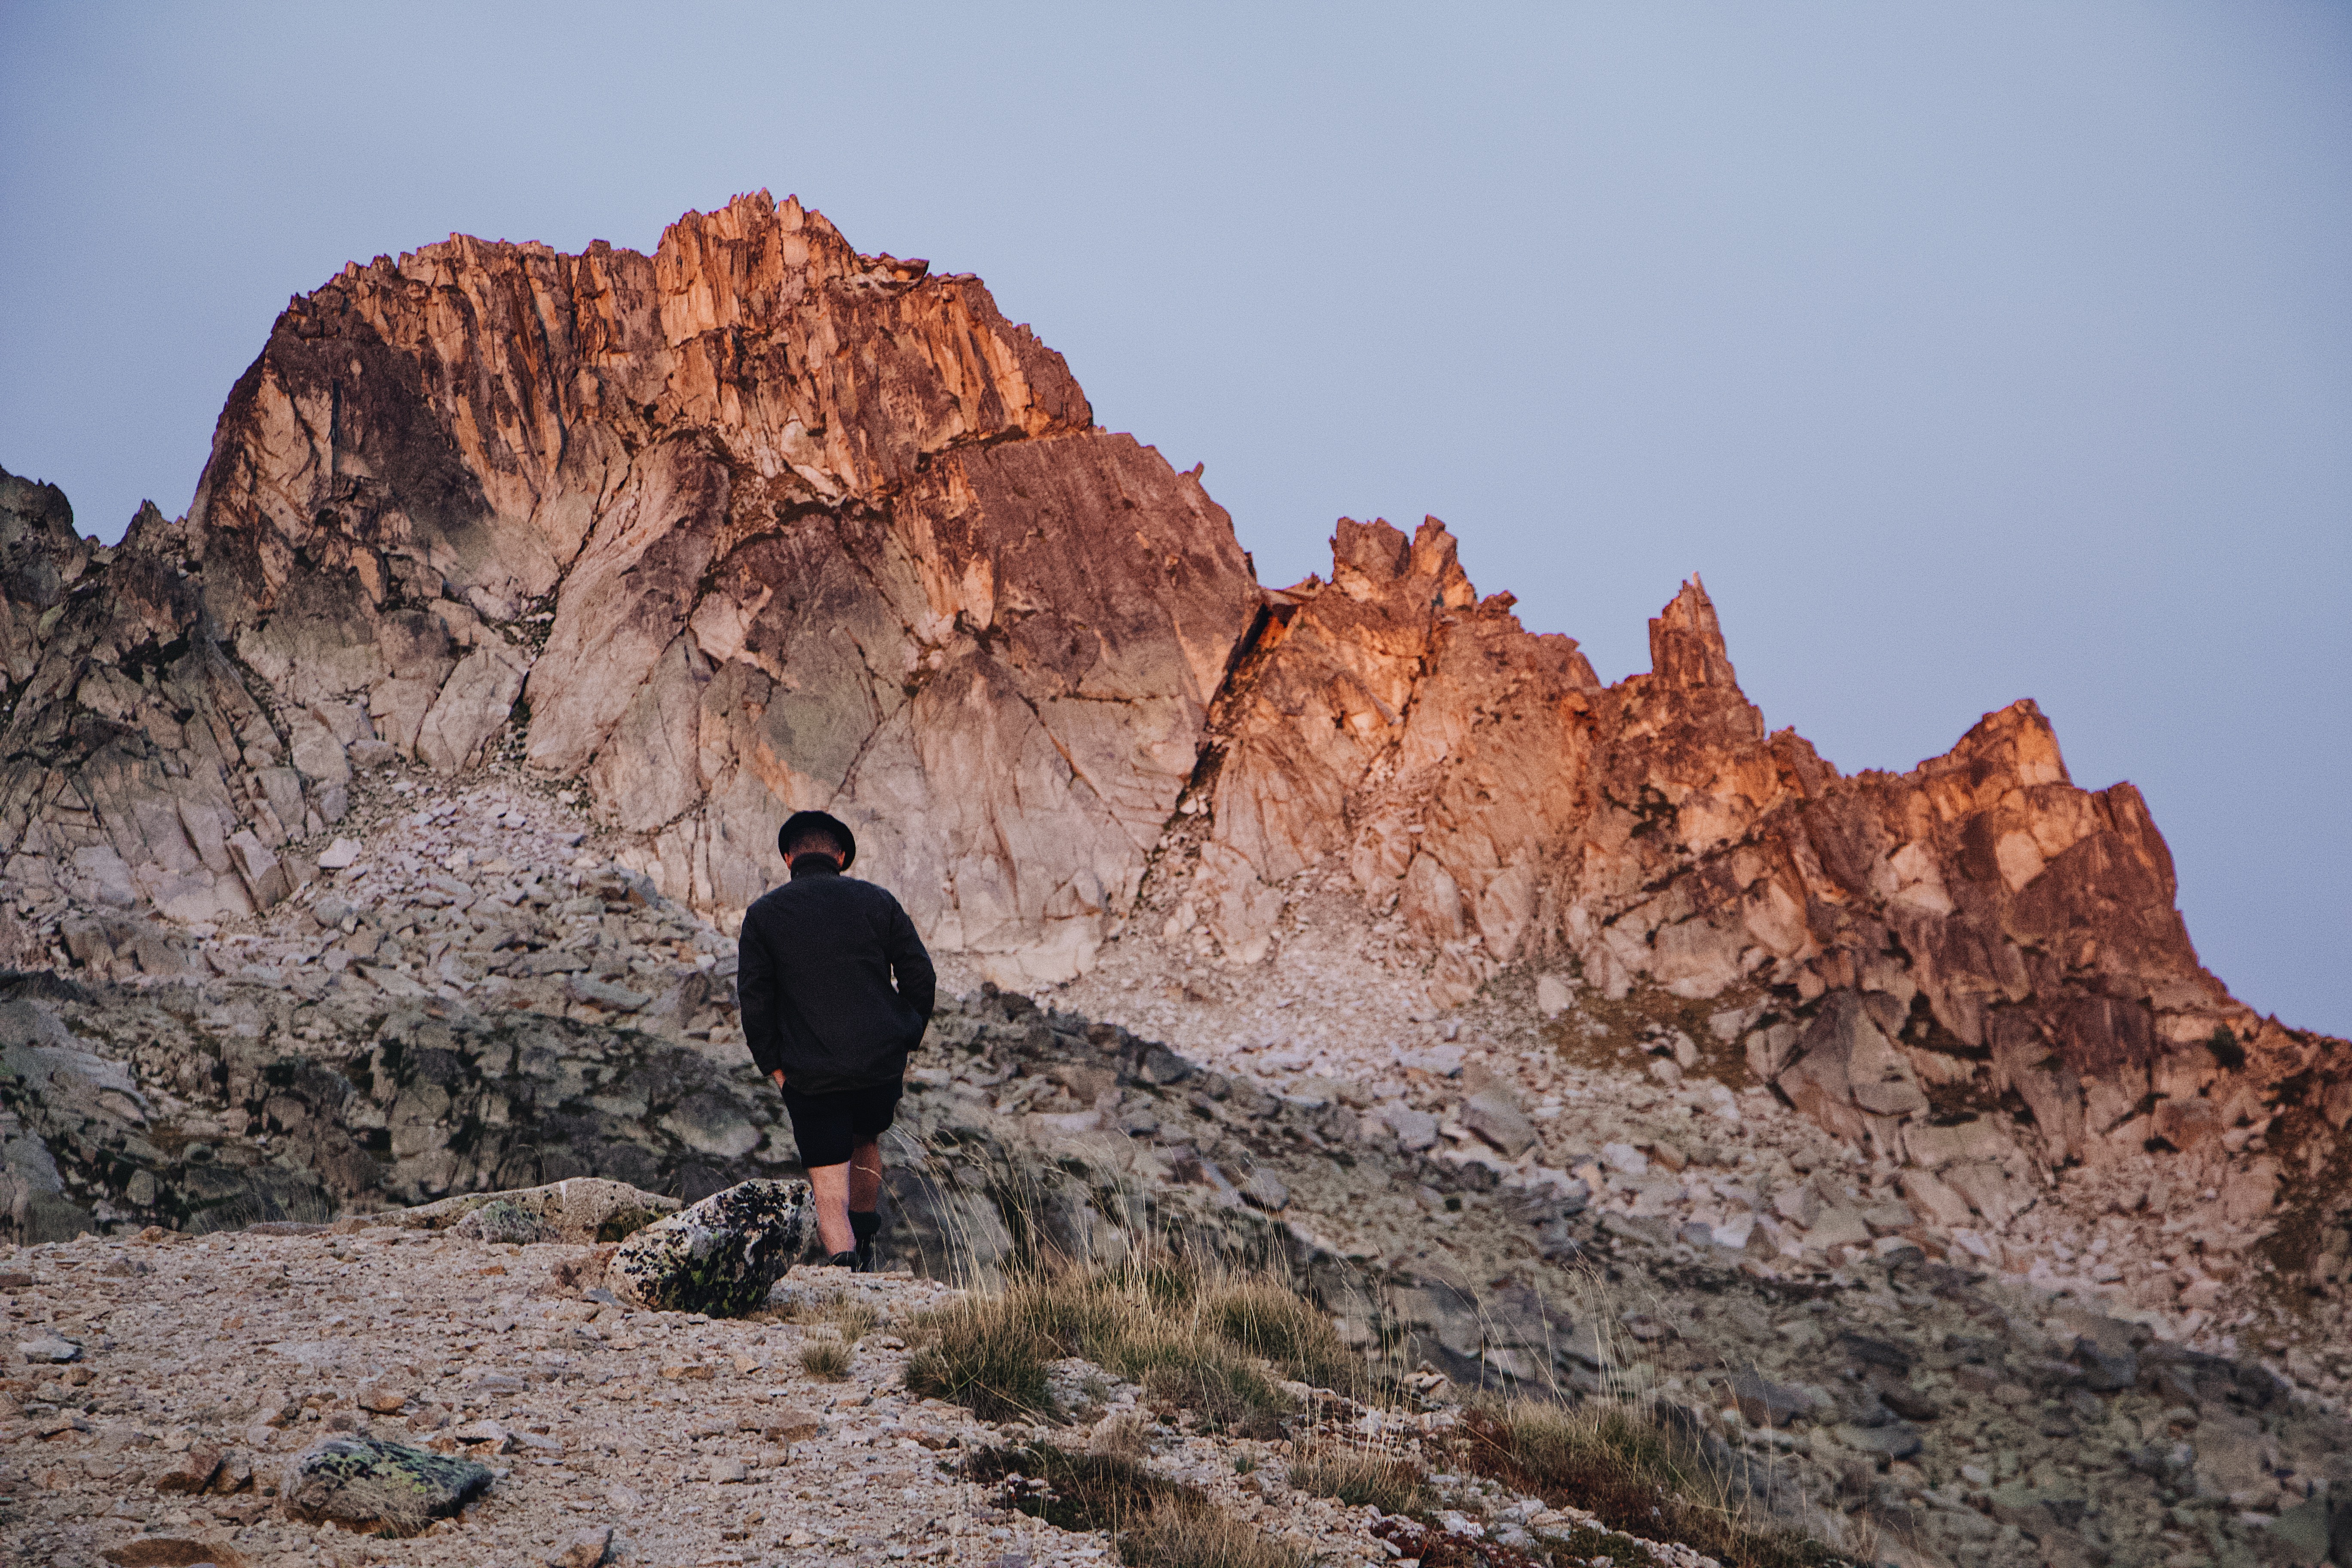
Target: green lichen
387, 1486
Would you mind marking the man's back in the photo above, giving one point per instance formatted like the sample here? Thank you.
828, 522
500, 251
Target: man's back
819, 957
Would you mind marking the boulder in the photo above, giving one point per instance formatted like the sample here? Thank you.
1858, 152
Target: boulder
370, 1485
721, 1255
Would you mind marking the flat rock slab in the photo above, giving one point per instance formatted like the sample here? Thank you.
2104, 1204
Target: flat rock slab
722, 1256
583, 1209
1894, 1440
373, 1485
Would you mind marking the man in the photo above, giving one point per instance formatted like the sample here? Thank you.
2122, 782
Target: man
835, 990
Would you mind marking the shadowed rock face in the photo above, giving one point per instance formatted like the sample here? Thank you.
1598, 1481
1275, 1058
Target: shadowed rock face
758, 523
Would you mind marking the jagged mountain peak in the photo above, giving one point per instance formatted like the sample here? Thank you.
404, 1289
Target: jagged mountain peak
758, 523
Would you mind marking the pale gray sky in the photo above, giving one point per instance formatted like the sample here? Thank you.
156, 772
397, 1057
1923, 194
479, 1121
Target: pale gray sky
1971, 352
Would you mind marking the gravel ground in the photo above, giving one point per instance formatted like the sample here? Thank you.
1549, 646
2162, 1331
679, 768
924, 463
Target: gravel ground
692, 1441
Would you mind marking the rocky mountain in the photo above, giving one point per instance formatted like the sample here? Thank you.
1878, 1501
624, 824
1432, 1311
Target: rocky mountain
758, 523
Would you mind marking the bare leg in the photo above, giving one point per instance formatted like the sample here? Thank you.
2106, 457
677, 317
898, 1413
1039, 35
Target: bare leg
864, 1177
831, 1184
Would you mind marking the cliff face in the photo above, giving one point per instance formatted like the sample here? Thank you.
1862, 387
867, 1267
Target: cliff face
757, 523
763, 524
1896, 952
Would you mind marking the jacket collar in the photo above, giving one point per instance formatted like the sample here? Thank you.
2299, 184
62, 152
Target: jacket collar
814, 865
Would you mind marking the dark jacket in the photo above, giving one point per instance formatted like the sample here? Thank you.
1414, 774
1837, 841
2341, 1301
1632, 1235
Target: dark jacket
818, 958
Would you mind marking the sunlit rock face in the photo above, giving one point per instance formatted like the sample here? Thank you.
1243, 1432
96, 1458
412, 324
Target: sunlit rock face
1975, 937
758, 523
752, 524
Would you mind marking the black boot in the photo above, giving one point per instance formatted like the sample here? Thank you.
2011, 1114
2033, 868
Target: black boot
864, 1227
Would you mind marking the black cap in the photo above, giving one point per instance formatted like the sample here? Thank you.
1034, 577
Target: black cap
801, 822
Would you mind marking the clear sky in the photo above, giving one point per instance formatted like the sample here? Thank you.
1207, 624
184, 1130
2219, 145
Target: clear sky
1970, 351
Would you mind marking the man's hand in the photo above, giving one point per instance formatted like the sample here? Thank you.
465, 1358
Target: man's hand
779, 1075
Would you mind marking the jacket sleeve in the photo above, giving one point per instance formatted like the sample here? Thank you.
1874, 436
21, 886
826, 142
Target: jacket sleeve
910, 963
755, 996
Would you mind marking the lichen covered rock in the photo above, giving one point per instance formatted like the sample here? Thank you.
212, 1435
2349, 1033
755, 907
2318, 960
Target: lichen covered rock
375, 1486
723, 1254
582, 1209
504, 1221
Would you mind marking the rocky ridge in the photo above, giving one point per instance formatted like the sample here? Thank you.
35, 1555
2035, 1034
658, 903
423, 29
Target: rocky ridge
380, 822
759, 523
1536, 1209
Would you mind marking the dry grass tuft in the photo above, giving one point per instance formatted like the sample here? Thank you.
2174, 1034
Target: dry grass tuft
1153, 1522
1325, 1467
983, 1353
1216, 1346
855, 1320
1169, 1536
1619, 1462
827, 1358
1123, 1438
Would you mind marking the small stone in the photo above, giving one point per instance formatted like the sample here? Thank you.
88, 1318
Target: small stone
1766, 1404
192, 1471
496, 1436
384, 1400
590, 1548
790, 1425
1553, 995
1265, 1190
49, 1350
1493, 1115
2106, 1371
1896, 1440
1414, 1129
724, 1472
1834, 1228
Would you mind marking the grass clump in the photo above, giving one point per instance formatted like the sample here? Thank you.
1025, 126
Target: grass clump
1170, 1537
1273, 1322
827, 1358
1354, 1475
1622, 1463
979, 1354
1153, 1522
855, 1318
1215, 1346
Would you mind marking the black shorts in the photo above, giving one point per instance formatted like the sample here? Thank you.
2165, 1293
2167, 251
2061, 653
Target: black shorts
826, 1126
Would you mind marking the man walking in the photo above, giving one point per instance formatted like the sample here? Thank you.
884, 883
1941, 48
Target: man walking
836, 990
